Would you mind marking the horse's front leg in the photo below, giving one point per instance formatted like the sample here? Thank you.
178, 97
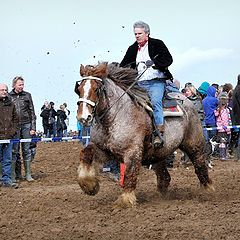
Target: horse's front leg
86, 172
132, 164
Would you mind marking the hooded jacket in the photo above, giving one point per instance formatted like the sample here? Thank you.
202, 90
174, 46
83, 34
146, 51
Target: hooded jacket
9, 120
210, 103
236, 104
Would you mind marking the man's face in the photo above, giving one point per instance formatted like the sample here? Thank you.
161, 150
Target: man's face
3, 91
19, 86
140, 35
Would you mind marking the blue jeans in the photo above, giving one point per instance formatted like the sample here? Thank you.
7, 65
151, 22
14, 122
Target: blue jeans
23, 133
86, 131
6, 160
155, 89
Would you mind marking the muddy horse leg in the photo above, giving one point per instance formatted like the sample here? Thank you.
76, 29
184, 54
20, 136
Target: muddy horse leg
86, 172
163, 176
198, 159
132, 161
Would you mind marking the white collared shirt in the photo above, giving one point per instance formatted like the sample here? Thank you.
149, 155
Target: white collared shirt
150, 73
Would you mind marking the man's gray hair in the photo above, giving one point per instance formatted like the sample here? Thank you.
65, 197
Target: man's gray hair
14, 81
143, 25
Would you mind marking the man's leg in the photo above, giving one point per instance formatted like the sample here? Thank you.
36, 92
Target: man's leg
26, 151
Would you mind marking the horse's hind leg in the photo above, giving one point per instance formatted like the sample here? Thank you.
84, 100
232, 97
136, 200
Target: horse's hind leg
198, 159
163, 176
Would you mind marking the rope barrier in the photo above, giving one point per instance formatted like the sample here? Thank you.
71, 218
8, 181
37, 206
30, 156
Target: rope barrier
224, 127
53, 139
58, 139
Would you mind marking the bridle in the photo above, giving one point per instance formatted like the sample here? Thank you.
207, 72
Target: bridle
88, 101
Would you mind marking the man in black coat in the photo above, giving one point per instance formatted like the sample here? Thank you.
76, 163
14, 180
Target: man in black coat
27, 121
151, 58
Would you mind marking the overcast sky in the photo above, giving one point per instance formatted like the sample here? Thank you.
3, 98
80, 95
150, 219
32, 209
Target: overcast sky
46, 41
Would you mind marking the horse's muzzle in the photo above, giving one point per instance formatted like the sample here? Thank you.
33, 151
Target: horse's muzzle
86, 122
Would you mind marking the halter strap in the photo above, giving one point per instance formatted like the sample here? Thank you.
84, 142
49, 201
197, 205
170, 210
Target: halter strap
91, 78
87, 101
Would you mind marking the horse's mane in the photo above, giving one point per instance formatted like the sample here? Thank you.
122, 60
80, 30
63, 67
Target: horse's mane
124, 77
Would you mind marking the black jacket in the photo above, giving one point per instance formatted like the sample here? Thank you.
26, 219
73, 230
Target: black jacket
61, 117
24, 106
236, 104
158, 53
46, 114
9, 120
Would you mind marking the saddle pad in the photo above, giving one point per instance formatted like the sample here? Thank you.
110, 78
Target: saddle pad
173, 112
177, 96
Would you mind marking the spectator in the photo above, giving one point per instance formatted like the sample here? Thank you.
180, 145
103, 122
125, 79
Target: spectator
48, 120
192, 95
203, 89
61, 117
210, 103
9, 121
65, 132
25, 109
45, 105
236, 113
52, 118
223, 120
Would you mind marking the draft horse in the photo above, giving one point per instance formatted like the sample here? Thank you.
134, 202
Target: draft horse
121, 127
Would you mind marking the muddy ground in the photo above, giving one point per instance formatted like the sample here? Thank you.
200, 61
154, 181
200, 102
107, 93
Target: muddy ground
54, 207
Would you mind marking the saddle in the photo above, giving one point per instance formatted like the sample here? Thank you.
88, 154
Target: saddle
171, 106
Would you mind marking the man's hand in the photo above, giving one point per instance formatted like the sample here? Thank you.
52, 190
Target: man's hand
149, 63
32, 132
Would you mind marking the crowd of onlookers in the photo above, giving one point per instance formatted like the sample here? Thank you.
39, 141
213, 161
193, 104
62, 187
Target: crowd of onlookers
55, 123
218, 108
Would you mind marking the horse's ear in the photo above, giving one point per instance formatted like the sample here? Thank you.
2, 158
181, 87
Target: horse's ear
82, 70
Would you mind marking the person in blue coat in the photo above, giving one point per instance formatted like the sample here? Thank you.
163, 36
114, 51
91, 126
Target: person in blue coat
210, 103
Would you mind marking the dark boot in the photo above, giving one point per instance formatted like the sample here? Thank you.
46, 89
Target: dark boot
158, 140
18, 170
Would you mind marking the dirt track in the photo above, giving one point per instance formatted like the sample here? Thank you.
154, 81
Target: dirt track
54, 207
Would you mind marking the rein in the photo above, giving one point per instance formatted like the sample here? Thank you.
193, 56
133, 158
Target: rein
93, 104
138, 77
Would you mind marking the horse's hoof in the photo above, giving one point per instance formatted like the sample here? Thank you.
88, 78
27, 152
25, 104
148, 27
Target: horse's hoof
89, 185
209, 187
126, 200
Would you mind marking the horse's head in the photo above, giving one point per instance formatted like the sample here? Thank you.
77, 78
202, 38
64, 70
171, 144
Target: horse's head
88, 90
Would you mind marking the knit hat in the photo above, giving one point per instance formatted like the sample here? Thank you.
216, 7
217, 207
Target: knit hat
203, 88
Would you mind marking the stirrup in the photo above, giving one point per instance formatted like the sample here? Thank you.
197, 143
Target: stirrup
158, 141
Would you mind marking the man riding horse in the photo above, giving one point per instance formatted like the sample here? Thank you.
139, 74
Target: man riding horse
151, 78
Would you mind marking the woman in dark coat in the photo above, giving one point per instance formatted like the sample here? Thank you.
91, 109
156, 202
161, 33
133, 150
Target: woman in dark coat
61, 117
